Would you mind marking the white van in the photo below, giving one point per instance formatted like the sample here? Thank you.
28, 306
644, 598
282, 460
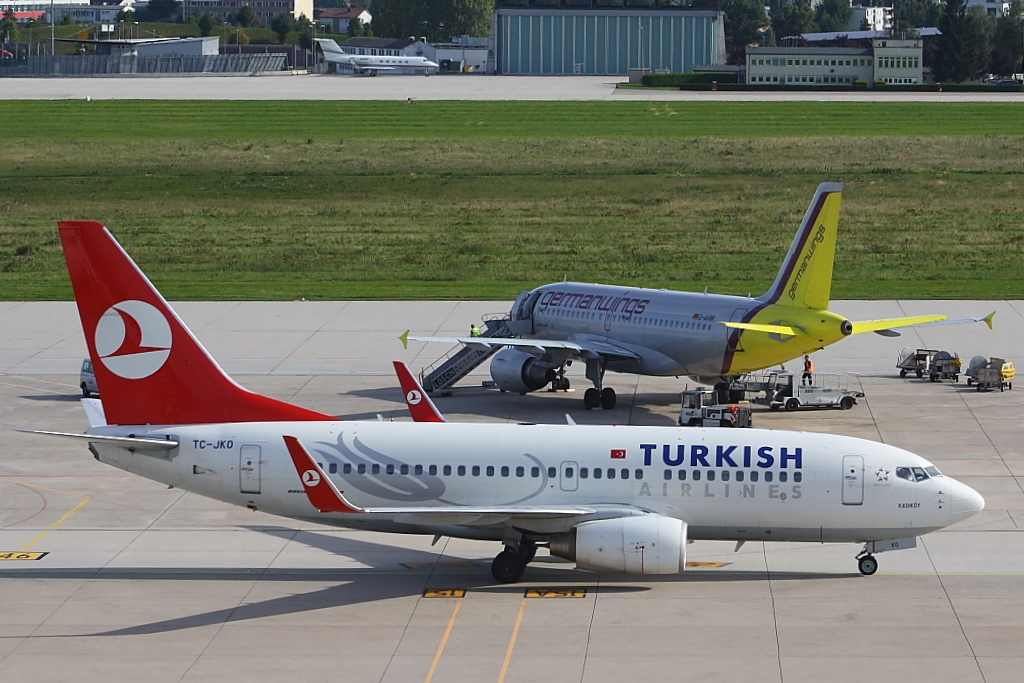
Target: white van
87, 379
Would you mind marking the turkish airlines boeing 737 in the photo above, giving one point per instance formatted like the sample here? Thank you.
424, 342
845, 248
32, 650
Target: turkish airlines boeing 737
611, 498
710, 337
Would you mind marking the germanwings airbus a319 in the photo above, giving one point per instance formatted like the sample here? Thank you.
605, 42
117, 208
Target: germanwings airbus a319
372, 63
710, 337
610, 498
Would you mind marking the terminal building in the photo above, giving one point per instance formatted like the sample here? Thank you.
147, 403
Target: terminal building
601, 37
895, 61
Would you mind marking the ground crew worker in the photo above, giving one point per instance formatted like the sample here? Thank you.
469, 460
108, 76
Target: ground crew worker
475, 331
808, 370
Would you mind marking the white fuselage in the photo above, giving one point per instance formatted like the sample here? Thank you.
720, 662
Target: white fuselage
726, 484
370, 63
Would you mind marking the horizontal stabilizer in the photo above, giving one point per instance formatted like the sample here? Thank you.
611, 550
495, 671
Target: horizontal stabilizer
124, 441
784, 330
863, 326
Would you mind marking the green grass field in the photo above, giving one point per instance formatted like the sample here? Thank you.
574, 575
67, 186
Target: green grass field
477, 200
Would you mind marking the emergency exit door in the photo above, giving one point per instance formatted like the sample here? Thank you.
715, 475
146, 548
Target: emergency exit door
568, 476
249, 469
853, 480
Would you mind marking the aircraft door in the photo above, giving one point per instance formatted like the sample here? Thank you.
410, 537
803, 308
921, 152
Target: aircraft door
568, 476
853, 480
249, 469
608, 321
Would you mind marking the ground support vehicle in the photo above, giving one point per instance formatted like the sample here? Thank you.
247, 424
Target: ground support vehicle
945, 365
87, 379
700, 408
916, 361
787, 390
995, 373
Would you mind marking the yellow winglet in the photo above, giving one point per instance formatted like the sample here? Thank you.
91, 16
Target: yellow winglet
874, 325
784, 330
988, 319
404, 338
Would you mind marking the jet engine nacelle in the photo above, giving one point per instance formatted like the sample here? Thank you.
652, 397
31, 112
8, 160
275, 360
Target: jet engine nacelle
519, 372
648, 544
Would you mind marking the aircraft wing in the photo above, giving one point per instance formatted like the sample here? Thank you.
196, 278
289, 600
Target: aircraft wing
582, 348
326, 497
885, 326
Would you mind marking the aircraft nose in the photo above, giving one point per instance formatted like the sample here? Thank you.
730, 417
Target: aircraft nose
964, 502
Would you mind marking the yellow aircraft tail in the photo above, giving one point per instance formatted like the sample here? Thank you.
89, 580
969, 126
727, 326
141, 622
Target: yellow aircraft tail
805, 279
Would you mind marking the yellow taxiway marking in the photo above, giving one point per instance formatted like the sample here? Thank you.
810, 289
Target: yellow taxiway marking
11, 555
444, 593
444, 641
60, 521
512, 642
705, 565
556, 593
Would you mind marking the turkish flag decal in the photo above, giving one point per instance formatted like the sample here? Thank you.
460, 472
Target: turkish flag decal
618, 454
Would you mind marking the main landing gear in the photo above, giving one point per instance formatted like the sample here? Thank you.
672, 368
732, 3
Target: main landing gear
509, 565
598, 395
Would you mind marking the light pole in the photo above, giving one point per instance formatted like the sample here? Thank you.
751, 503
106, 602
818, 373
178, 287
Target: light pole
640, 48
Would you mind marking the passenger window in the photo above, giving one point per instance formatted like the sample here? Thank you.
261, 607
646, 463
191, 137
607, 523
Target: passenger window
682, 475
461, 470
333, 468
418, 470
432, 470
362, 468
711, 475
490, 470
904, 473
783, 477
390, 469
584, 472
696, 475
798, 477
598, 472
725, 475
739, 476
375, 469
668, 475
568, 473
638, 474
534, 472
476, 470
768, 476
447, 470
346, 468
611, 473
552, 473
753, 475
504, 470
521, 471
404, 469
624, 474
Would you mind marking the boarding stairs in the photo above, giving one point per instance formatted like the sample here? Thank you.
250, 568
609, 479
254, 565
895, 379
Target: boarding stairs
460, 361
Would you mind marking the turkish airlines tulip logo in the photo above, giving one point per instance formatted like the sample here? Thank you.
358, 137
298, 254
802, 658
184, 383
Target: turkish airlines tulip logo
310, 477
133, 339
414, 397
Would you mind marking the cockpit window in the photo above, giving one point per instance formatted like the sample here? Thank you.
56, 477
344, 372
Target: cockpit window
933, 471
916, 473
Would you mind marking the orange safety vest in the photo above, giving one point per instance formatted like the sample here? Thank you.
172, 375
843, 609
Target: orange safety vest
808, 366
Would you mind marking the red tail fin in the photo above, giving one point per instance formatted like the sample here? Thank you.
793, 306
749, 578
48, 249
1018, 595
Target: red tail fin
420, 405
149, 367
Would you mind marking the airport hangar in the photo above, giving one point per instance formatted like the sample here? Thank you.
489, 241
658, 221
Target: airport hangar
601, 38
138, 582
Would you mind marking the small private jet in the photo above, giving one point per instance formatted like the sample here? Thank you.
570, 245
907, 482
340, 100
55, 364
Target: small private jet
372, 64
610, 498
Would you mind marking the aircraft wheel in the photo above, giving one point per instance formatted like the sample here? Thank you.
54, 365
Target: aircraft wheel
508, 567
867, 565
846, 403
528, 549
85, 390
591, 398
903, 373
737, 396
792, 404
920, 373
608, 398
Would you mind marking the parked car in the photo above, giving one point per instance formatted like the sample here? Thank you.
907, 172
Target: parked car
87, 379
